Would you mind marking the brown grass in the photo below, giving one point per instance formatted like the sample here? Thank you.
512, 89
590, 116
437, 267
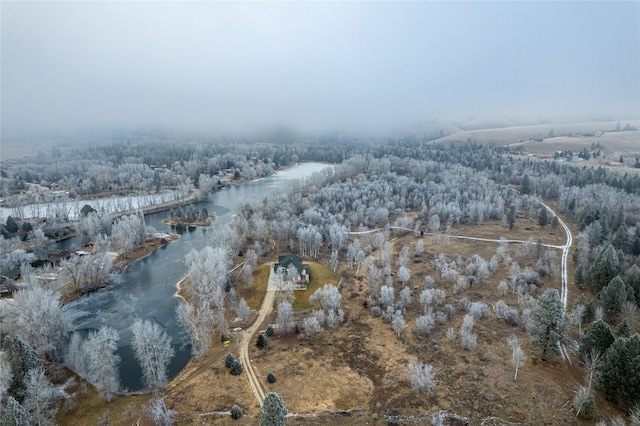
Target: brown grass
361, 366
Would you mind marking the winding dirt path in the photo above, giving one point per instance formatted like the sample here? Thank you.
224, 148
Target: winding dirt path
247, 338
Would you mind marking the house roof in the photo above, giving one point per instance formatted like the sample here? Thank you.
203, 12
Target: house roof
288, 260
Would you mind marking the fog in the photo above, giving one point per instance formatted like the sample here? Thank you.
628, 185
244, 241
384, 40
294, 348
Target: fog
240, 66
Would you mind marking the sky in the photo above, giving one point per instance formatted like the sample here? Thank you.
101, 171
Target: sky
313, 66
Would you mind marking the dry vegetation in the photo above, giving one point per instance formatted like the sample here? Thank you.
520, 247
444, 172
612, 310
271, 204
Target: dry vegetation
345, 375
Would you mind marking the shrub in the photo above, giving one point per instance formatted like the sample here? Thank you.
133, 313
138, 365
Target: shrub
376, 311
261, 342
229, 360
271, 378
236, 368
236, 412
269, 331
479, 309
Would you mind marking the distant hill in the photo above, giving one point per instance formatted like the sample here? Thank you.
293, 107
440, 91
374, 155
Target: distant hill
538, 132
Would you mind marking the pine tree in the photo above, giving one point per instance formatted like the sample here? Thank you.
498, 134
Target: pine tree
620, 372
21, 358
13, 413
612, 298
598, 337
543, 217
525, 188
548, 324
273, 411
511, 216
603, 270
554, 222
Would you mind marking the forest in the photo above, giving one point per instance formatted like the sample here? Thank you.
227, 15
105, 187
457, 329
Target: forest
388, 219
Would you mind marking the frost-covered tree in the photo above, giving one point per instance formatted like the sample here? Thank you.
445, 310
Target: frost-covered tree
273, 411
243, 310
422, 377
284, 318
548, 324
198, 323
425, 323
584, 403
328, 296
35, 314
20, 358
13, 413
405, 296
311, 325
517, 354
41, 397
157, 411
386, 295
102, 361
398, 322
153, 351
404, 274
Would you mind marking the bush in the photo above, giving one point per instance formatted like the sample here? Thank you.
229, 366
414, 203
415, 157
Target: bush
376, 311
262, 341
271, 378
296, 328
236, 412
269, 331
236, 368
229, 360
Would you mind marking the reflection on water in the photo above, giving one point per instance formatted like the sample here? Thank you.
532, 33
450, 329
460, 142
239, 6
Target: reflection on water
147, 289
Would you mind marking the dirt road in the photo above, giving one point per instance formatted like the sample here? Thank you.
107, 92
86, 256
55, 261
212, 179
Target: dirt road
247, 339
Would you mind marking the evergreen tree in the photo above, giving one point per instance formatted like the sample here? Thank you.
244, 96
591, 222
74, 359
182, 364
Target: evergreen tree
543, 217
511, 216
612, 298
11, 224
578, 277
623, 329
21, 358
548, 324
262, 341
598, 337
525, 188
620, 372
554, 223
14, 414
273, 411
603, 270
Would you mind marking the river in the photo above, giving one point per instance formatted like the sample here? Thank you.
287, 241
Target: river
147, 289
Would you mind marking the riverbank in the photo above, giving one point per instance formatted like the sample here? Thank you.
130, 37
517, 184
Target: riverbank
68, 291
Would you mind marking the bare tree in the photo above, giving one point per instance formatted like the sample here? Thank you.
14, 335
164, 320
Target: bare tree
102, 361
35, 314
425, 323
422, 377
398, 322
156, 410
243, 310
153, 351
592, 364
517, 354
198, 322
284, 317
41, 397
